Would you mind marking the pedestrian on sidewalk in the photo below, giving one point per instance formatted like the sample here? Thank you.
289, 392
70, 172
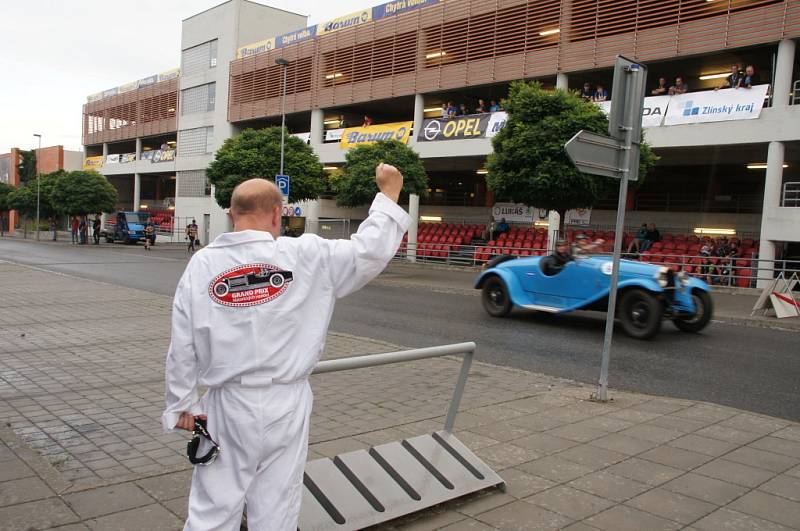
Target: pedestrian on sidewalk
249, 322
74, 226
54, 228
96, 229
191, 235
83, 230
149, 236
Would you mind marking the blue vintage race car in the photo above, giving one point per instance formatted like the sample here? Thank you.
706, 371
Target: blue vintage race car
647, 293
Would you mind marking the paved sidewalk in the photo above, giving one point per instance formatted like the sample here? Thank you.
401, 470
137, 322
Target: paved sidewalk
81, 386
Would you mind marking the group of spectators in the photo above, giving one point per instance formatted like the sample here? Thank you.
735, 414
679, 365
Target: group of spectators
718, 259
645, 237
451, 110
737, 79
598, 93
79, 229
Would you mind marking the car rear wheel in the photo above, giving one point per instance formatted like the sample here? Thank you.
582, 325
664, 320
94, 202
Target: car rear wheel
640, 313
704, 309
276, 280
495, 297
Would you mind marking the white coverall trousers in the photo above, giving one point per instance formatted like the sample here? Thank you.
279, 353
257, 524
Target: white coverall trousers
263, 436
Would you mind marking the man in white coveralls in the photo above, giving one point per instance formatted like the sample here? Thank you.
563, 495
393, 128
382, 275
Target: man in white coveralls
249, 321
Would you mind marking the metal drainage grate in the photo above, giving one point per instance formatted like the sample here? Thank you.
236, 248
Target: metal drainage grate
363, 488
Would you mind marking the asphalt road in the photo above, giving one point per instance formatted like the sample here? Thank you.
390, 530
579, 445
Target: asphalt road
755, 369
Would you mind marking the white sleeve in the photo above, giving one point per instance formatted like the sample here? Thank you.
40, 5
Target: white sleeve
354, 262
181, 371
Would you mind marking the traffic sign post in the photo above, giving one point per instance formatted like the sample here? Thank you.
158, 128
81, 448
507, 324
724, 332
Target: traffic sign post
282, 181
616, 156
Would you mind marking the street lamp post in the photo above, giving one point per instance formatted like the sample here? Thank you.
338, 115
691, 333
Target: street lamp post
284, 64
38, 182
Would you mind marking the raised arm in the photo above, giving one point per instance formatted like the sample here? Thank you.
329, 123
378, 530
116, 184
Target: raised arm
354, 262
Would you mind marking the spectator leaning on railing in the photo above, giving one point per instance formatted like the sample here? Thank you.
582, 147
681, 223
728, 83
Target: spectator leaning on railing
600, 94
750, 78
680, 87
662, 89
733, 80
586, 92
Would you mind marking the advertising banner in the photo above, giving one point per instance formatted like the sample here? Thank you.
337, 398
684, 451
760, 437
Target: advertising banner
513, 213
97, 96
169, 74
458, 128
399, 6
333, 135
149, 80
256, 47
354, 136
496, 122
112, 159
655, 108
162, 155
110, 92
296, 36
147, 155
127, 87
305, 137
716, 106
578, 216
93, 163
347, 21
127, 157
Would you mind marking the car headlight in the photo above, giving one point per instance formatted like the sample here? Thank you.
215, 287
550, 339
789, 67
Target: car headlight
661, 276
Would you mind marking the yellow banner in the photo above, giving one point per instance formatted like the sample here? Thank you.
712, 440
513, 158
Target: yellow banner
93, 163
255, 47
346, 21
354, 136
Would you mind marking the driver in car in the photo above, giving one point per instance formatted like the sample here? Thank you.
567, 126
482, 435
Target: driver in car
583, 246
554, 263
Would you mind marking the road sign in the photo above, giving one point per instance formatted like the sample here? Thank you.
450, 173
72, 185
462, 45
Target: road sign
616, 156
596, 154
283, 185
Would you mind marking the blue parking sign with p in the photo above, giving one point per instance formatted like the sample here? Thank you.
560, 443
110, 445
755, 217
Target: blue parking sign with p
282, 181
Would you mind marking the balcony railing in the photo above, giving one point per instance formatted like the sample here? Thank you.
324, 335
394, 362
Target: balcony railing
791, 194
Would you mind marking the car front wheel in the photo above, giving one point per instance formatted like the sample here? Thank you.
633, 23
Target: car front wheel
704, 309
640, 314
495, 297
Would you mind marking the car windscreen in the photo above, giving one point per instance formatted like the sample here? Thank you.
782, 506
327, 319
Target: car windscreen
133, 217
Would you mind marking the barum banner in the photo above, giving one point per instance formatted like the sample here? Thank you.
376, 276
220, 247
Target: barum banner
354, 136
716, 106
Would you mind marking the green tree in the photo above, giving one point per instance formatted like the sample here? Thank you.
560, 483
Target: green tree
26, 169
5, 190
82, 192
23, 198
355, 184
257, 153
529, 164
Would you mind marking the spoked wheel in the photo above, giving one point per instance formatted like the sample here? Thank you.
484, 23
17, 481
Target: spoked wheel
704, 309
640, 314
495, 297
277, 280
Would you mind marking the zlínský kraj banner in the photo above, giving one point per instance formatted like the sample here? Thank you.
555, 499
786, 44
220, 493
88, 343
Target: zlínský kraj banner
354, 136
655, 108
716, 106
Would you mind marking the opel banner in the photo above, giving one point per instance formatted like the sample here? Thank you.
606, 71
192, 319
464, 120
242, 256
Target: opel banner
716, 106
354, 136
459, 128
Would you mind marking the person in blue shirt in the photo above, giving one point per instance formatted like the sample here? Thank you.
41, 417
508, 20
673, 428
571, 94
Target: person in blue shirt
494, 106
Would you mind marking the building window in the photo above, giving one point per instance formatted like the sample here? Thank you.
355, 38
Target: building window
193, 183
199, 58
198, 99
198, 141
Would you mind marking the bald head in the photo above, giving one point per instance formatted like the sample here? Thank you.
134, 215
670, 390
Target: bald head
256, 204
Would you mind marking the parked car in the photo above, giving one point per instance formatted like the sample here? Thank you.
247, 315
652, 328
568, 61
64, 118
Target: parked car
127, 227
647, 293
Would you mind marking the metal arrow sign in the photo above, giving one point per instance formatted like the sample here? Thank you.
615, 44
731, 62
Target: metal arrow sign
596, 154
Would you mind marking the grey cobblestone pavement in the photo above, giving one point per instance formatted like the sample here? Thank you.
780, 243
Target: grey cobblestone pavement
81, 447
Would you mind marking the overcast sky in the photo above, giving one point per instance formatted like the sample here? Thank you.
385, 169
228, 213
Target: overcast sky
57, 52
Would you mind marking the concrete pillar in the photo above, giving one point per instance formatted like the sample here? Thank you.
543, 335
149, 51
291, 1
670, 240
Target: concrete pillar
138, 148
413, 212
312, 216
773, 183
317, 126
105, 151
553, 220
562, 81
137, 191
783, 73
419, 115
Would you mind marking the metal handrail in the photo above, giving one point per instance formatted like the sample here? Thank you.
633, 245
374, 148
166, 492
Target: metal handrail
791, 194
795, 97
374, 360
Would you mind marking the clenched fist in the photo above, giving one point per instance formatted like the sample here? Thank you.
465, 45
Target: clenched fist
390, 181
